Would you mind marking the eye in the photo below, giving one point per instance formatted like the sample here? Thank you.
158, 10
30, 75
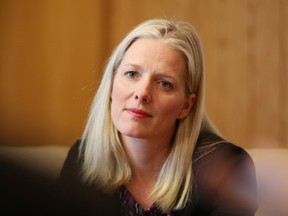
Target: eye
131, 74
166, 84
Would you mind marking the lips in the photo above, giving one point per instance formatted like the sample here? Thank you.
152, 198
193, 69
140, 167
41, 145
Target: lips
138, 113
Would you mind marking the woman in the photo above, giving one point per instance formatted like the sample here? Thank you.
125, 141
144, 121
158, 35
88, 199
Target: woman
148, 143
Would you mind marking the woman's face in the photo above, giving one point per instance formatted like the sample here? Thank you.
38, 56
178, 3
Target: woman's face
148, 94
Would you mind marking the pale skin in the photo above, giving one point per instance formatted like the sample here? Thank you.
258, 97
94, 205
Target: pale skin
147, 99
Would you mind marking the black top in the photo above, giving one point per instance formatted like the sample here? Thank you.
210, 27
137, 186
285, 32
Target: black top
225, 183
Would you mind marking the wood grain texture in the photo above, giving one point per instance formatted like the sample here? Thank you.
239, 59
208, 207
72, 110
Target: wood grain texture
52, 54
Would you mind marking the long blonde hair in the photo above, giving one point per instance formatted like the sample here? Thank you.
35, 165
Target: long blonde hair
105, 163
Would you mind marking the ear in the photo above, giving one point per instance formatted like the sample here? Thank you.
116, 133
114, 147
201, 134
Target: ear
187, 106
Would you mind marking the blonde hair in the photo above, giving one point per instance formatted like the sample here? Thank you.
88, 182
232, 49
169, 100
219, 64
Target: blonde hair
105, 162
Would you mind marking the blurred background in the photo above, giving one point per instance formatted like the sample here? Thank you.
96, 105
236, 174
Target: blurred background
52, 53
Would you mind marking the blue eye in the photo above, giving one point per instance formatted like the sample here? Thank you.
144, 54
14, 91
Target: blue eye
131, 74
165, 84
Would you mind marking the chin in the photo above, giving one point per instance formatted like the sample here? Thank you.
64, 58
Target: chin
133, 134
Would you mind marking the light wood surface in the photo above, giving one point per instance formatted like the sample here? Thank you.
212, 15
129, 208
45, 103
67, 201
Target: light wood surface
52, 54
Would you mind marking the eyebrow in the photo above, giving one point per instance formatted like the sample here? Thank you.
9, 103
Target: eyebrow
132, 65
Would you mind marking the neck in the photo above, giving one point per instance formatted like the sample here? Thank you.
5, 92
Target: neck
146, 156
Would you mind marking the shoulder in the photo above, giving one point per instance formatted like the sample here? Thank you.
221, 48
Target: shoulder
80, 196
71, 168
213, 147
74, 153
75, 148
214, 155
225, 178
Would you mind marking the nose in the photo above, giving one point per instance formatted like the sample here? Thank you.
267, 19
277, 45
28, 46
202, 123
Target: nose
143, 91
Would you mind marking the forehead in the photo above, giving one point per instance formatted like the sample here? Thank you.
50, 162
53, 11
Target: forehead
152, 44
154, 51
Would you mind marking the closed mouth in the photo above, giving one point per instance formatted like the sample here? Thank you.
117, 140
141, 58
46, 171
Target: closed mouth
138, 113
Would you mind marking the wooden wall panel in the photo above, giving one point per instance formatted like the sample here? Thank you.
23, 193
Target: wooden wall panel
50, 58
245, 45
52, 54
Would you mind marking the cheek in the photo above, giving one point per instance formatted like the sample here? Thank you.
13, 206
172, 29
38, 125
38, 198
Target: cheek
116, 89
115, 105
113, 99
172, 108
117, 96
